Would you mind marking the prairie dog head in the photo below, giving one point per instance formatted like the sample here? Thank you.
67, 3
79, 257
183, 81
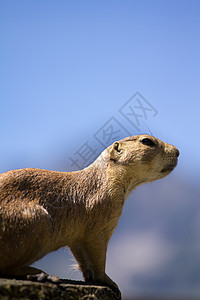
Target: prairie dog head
142, 158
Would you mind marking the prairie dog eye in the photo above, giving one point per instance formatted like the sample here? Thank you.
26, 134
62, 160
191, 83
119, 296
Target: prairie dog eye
148, 142
116, 146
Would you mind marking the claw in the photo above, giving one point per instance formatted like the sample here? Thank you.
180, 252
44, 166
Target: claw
53, 279
43, 277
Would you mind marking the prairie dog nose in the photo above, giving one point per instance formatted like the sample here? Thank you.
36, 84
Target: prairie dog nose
177, 152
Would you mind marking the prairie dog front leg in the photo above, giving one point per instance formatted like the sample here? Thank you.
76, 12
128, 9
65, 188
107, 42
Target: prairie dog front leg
83, 260
91, 257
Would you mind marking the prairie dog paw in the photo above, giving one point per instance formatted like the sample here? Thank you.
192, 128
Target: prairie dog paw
43, 277
107, 281
89, 276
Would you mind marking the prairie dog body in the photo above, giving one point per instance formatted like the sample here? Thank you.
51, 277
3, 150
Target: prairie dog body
41, 211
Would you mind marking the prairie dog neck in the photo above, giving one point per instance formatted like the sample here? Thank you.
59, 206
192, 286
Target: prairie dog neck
108, 178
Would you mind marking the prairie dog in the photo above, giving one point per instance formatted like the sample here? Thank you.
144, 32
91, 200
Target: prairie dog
41, 211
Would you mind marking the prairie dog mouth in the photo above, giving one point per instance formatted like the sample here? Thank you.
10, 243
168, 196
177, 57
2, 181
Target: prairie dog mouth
169, 168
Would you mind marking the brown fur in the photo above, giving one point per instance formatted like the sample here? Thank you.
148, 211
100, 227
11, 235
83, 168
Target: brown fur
41, 211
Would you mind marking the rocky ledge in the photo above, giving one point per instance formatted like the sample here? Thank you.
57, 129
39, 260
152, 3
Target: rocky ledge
67, 289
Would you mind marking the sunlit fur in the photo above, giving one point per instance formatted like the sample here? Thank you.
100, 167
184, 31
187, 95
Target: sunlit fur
41, 211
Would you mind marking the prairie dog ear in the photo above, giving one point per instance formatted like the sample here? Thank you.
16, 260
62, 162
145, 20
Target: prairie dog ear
115, 151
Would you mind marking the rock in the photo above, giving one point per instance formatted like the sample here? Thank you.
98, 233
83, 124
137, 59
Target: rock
67, 289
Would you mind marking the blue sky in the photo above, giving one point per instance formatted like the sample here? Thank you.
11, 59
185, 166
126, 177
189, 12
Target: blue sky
67, 67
